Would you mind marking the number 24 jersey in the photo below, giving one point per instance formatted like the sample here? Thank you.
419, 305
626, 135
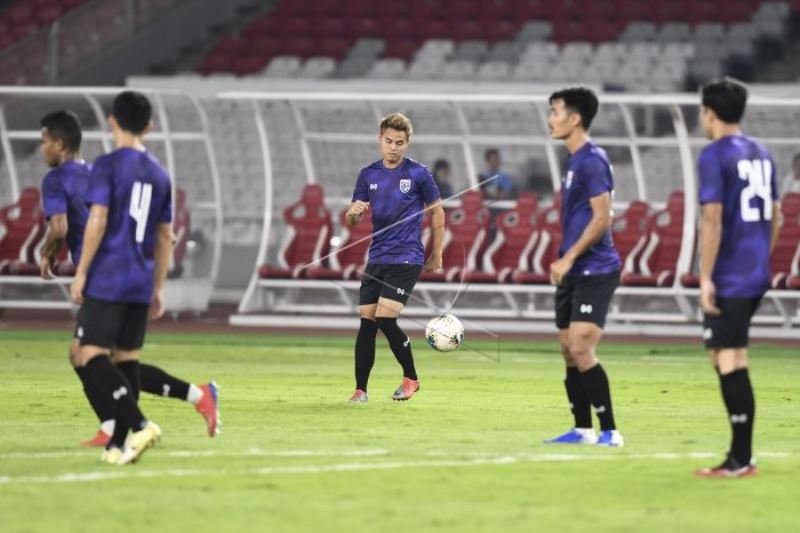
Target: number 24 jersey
739, 173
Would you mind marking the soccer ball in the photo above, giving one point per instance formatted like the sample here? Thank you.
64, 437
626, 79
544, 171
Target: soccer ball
445, 333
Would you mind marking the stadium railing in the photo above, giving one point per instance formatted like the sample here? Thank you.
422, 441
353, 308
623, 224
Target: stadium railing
636, 128
180, 139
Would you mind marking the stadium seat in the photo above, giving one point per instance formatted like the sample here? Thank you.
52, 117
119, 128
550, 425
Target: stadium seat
350, 258
509, 253
654, 262
465, 238
628, 228
308, 229
546, 249
23, 222
181, 227
785, 258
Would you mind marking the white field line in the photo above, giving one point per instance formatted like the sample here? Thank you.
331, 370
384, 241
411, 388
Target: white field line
250, 452
114, 473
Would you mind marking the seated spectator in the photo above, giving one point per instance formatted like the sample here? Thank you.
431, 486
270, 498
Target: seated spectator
441, 175
791, 182
500, 188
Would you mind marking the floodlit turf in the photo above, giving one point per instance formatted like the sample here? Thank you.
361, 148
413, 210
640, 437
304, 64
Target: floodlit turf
464, 455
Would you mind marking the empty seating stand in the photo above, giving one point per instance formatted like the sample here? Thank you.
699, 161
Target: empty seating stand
23, 224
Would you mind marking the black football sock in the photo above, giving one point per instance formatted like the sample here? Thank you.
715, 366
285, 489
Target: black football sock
595, 383
365, 352
737, 392
156, 381
578, 399
101, 406
111, 383
400, 344
129, 369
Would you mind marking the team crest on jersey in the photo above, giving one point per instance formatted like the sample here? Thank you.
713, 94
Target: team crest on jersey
405, 185
568, 181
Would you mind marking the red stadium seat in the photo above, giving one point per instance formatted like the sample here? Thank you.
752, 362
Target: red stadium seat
546, 251
655, 262
465, 238
510, 252
531, 9
24, 227
628, 228
490, 11
785, 258
308, 226
349, 261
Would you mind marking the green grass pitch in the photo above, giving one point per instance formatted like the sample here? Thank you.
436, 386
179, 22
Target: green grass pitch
464, 455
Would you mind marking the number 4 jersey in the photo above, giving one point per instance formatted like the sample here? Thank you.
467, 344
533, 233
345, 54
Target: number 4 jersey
138, 194
739, 173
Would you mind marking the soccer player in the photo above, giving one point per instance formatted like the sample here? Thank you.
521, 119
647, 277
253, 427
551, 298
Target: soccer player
63, 192
120, 276
588, 269
740, 218
395, 190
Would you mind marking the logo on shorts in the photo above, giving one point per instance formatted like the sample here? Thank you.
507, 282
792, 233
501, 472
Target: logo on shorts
568, 181
80, 332
401, 291
708, 334
373, 186
405, 185
586, 309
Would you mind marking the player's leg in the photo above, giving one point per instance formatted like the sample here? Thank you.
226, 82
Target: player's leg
365, 340
590, 303
400, 282
726, 338
101, 406
582, 431
205, 398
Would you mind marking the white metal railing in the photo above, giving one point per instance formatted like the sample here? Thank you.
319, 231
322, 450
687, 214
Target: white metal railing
193, 290
678, 137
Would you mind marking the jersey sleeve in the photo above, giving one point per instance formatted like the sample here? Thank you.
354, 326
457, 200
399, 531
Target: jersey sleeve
711, 182
99, 190
776, 193
165, 216
361, 192
54, 197
428, 187
596, 175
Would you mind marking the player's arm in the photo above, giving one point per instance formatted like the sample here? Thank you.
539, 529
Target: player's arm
599, 224
710, 238
92, 237
434, 261
777, 222
57, 228
162, 254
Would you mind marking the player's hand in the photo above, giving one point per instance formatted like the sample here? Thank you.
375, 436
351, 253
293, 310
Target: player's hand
356, 211
76, 289
433, 264
708, 298
46, 268
559, 269
157, 305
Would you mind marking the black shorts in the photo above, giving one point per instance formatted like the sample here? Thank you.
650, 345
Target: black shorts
394, 282
731, 329
585, 299
112, 324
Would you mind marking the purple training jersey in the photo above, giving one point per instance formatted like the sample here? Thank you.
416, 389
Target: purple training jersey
138, 194
588, 175
63, 190
396, 198
739, 173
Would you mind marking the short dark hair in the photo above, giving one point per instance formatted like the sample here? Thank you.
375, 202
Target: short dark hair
580, 100
490, 152
727, 98
440, 164
133, 111
65, 126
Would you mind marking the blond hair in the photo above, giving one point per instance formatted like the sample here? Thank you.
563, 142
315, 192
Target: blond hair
397, 121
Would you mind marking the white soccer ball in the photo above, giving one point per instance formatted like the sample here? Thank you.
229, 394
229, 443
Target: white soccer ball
445, 333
